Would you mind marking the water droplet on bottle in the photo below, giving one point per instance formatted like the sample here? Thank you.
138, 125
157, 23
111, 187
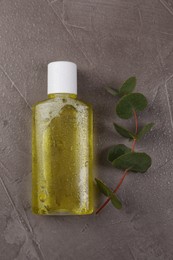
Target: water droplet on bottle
42, 197
86, 163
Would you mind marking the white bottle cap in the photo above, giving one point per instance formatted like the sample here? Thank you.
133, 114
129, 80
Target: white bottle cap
62, 77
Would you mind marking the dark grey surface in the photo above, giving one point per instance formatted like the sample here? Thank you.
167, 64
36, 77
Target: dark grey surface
109, 40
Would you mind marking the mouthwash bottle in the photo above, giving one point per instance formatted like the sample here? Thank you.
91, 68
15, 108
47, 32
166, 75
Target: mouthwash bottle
62, 147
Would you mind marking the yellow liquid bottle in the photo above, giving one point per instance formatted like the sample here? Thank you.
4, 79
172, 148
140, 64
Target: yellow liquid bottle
62, 147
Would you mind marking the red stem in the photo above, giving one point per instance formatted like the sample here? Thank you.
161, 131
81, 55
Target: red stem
136, 121
126, 171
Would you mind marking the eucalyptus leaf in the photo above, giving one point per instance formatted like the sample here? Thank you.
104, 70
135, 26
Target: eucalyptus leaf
128, 103
108, 193
116, 151
103, 188
123, 131
113, 91
116, 202
144, 130
128, 86
135, 162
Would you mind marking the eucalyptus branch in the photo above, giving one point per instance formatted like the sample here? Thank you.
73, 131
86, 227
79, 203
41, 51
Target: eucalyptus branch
120, 155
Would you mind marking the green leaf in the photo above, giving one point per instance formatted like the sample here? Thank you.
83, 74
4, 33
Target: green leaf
128, 86
116, 151
113, 91
116, 202
144, 130
103, 188
123, 131
108, 193
136, 162
130, 102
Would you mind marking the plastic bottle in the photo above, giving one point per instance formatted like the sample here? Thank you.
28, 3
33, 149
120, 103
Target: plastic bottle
62, 147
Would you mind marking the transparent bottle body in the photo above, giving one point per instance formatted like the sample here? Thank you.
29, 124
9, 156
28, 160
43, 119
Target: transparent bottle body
62, 156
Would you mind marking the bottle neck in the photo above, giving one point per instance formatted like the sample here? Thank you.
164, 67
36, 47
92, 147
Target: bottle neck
62, 95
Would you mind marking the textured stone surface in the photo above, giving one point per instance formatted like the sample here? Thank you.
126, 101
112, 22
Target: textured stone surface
110, 40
